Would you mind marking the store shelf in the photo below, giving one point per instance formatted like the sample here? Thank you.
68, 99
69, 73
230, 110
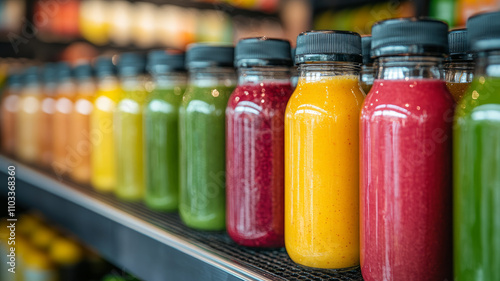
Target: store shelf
151, 245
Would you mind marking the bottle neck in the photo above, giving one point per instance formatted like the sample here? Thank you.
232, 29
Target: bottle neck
212, 77
488, 64
273, 74
134, 82
409, 67
311, 72
107, 83
459, 71
169, 80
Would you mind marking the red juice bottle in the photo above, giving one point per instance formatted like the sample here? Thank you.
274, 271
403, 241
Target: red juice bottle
405, 156
255, 143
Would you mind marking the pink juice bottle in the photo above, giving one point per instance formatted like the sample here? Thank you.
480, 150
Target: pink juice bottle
405, 156
255, 139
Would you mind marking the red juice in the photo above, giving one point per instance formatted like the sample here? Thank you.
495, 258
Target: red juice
255, 163
405, 191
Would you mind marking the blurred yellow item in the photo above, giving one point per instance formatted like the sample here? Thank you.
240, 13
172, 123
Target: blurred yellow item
38, 266
245, 4
120, 13
43, 237
144, 25
361, 20
65, 252
94, 21
214, 27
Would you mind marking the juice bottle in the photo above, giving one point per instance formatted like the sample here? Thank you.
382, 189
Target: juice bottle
161, 130
476, 168
9, 111
367, 69
255, 136
64, 157
102, 157
202, 136
46, 114
127, 125
80, 123
28, 116
405, 142
321, 152
459, 66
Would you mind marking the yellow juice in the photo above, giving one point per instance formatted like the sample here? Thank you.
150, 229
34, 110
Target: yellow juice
103, 168
321, 172
28, 116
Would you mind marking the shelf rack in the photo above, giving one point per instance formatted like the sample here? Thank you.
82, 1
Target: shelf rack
151, 245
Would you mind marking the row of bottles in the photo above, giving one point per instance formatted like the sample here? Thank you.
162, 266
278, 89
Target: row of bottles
46, 253
337, 178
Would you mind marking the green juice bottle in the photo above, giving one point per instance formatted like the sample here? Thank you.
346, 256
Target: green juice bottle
477, 159
202, 136
128, 122
161, 126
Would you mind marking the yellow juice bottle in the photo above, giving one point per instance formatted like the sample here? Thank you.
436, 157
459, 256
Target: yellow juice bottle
128, 133
103, 168
321, 153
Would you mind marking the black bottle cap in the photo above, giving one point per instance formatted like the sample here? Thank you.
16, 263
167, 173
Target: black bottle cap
262, 51
366, 42
32, 75
328, 45
83, 71
50, 73
64, 71
162, 61
104, 66
130, 64
459, 49
202, 55
409, 36
484, 32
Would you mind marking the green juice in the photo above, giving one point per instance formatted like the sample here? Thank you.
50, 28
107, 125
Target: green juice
161, 150
202, 128
477, 182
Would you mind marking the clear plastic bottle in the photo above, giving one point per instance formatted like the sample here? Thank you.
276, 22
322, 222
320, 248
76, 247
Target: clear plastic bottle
321, 152
161, 130
476, 159
28, 116
459, 66
202, 128
80, 138
405, 162
255, 118
128, 127
102, 158
9, 111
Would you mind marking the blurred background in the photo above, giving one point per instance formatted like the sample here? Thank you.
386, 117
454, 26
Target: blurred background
48, 30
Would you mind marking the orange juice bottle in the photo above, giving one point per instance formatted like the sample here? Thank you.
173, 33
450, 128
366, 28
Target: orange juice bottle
28, 116
10, 106
80, 123
64, 158
102, 160
321, 152
46, 113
